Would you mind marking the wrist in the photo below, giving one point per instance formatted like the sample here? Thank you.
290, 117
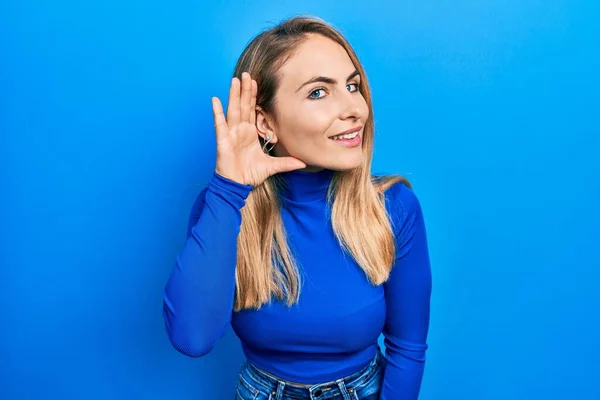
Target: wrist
232, 178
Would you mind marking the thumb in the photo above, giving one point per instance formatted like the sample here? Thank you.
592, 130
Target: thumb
286, 164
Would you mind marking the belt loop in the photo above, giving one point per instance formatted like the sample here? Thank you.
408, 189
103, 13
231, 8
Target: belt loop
343, 390
280, 387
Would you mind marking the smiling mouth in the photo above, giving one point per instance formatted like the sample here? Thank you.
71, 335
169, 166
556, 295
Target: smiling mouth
345, 136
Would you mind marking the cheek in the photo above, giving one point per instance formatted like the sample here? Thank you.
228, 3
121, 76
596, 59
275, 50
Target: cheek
305, 125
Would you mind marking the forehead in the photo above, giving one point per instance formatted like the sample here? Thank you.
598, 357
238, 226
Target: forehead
316, 56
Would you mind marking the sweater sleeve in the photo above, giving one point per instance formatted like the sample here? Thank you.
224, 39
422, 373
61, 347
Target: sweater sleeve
407, 294
199, 294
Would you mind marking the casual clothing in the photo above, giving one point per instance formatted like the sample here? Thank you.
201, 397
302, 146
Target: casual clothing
332, 331
256, 384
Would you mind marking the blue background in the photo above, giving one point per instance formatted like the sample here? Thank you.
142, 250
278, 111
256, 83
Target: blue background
490, 108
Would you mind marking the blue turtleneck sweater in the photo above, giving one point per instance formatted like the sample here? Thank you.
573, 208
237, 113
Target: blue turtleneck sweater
333, 330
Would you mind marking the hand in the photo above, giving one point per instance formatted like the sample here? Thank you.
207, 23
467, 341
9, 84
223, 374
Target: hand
239, 154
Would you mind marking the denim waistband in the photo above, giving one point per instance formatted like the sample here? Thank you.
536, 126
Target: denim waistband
278, 387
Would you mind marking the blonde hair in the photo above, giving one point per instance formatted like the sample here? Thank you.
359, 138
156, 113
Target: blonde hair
265, 266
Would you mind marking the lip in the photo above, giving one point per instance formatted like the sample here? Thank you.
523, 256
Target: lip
354, 142
358, 128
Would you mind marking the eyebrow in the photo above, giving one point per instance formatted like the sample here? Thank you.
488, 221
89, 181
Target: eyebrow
326, 79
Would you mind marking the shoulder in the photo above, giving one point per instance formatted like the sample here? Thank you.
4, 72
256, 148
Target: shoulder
397, 190
401, 200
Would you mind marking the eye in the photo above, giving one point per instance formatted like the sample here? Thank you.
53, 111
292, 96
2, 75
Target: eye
316, 91
356, 85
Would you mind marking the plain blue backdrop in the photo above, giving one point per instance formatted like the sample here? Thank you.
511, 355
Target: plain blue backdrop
489, 107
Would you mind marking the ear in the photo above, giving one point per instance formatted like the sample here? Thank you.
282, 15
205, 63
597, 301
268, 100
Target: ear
265, 125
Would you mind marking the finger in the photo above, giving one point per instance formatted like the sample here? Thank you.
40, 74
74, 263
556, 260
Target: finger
233, 106
246, 97
286, 164
220, 123
253, 102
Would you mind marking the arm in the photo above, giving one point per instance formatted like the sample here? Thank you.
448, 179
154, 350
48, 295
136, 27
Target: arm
407, 293
199, 294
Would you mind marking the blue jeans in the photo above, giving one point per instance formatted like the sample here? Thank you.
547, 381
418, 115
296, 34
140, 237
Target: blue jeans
256, 384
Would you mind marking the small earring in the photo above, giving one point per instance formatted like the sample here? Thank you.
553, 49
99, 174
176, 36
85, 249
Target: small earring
264, 147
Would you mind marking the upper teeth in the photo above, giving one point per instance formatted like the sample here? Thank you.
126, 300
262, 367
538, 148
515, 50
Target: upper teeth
346, 136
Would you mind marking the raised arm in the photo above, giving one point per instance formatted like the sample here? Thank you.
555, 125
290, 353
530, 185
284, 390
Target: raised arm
199, 296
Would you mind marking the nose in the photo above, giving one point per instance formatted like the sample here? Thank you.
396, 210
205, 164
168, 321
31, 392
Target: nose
350, 107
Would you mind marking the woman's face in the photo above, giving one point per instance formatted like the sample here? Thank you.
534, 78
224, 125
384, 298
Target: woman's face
317, 99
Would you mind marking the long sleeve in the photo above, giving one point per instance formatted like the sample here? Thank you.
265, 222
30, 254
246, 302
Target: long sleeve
199, 294
407, 293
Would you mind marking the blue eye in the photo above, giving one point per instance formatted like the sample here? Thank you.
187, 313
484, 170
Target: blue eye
314, 95
353, 84
310, 96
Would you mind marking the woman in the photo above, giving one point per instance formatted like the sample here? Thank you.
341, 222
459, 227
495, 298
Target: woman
294, 243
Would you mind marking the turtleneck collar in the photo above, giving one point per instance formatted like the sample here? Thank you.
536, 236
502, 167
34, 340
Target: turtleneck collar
302, 186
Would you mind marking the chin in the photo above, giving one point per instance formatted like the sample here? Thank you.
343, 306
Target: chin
345, 163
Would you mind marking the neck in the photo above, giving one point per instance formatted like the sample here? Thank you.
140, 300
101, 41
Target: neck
311, 169
306, 185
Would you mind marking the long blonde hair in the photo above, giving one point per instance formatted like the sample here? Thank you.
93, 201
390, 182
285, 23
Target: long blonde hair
265, 265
